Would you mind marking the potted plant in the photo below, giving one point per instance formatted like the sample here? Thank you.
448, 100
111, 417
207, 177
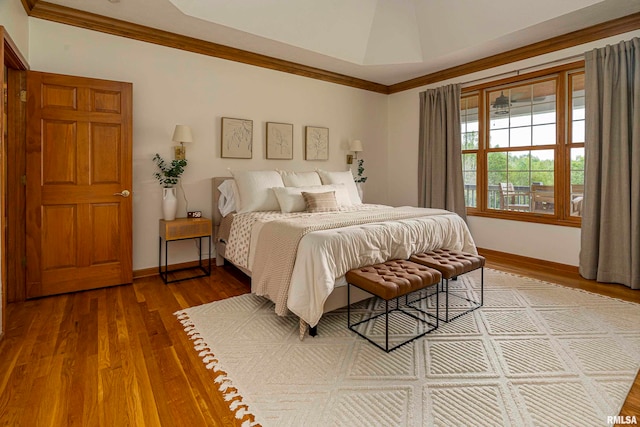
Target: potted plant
359, 178
168, 176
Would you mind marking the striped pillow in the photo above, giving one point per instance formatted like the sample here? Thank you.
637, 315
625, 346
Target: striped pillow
320, 202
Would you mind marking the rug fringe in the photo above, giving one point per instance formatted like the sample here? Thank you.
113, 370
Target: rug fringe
230, 394
235, 406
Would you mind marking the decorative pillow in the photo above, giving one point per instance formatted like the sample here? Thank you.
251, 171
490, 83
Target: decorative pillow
345, 178
254, 190
228, 197
300, 179
291, 200
320, 202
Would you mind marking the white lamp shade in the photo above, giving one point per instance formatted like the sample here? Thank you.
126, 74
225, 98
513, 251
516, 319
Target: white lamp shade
182, 133
356, 146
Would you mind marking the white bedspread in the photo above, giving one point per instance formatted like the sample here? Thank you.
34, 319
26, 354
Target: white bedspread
323, 257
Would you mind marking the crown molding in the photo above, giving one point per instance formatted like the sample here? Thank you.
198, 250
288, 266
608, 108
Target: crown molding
29, 5
95, 22
575, 38
91, 21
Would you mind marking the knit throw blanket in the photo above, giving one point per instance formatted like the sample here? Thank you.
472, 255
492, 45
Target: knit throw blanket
278, 243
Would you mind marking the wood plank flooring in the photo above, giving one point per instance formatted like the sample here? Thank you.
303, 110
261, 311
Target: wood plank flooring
119, 357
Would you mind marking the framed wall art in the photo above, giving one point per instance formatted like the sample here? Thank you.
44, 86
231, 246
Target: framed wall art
316, 143
279, 141
237, 138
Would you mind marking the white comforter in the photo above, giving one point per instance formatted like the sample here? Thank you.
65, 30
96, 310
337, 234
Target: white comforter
324, 257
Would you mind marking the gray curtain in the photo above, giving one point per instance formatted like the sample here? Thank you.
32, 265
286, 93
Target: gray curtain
440, 183
610, 250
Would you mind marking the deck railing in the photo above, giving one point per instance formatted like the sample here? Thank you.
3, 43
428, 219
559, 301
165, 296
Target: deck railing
471, 196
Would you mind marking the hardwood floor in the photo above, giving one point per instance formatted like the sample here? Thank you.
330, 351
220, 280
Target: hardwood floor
118, 356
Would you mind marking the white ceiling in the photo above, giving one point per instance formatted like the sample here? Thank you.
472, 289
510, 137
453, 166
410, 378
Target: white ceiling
383, 41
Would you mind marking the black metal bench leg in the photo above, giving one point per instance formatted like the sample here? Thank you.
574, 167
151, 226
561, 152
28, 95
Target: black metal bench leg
446, 297
437, 308
386, 324
401, 310
348, 305
482, 286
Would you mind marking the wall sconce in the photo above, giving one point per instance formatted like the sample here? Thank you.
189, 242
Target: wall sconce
356, 147
181, 134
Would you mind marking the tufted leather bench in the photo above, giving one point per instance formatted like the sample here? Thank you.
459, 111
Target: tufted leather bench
452, 264
391, 280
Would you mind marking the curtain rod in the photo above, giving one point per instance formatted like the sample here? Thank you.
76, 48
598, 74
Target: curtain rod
522, 70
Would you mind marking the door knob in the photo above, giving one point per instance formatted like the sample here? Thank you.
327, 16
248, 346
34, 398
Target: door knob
123, 193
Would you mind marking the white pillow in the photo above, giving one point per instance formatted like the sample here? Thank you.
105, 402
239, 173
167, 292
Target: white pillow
300, 179
254, 190
228, 195
345, 178
291, 200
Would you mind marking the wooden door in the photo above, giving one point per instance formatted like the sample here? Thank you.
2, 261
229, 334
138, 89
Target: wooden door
78, 184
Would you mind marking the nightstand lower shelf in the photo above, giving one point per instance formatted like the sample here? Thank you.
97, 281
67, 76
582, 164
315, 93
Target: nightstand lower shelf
165, 274
184, 229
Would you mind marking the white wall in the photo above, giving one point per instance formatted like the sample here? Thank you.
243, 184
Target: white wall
175, 87
548, 242
14, 19
172, 86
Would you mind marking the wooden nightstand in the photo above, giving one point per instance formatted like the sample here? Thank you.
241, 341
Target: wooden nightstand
181, 229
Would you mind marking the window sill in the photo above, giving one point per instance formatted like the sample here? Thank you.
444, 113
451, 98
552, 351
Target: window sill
528, 217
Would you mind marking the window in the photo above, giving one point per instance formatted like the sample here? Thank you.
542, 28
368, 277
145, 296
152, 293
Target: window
523, 147
470, 138
575, 145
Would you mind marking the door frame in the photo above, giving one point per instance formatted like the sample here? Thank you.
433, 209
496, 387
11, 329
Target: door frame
12, 192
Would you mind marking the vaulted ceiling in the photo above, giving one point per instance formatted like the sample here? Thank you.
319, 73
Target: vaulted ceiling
384, 42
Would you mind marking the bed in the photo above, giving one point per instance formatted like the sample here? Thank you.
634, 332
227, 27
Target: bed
298, 259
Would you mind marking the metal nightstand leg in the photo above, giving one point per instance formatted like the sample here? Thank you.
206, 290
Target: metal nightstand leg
164, 275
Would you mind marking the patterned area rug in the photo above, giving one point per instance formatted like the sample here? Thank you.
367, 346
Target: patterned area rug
535, 354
